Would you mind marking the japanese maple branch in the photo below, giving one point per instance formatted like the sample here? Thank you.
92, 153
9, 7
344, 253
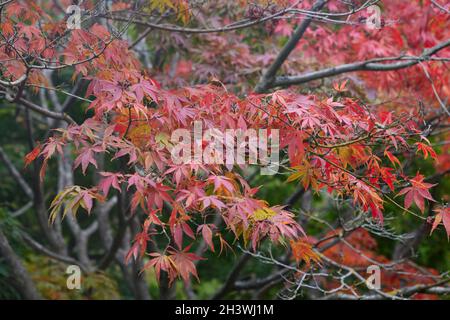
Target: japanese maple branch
441, 7
268, 76
277, 277
5, 3
242, 24
43, 250
51, 114
15, 82
435, 288
436, 94
124, 221
368, 65
146, 32
54, 237
22, 279
173, 28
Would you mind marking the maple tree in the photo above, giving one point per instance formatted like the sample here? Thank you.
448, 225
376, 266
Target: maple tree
355, 107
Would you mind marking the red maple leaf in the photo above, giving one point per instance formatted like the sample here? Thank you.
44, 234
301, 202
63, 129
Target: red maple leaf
32, 155
442, 215
426, 149
417, 192
184, 262
162, 262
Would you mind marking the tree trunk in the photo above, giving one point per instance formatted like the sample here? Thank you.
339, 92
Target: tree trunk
21, 277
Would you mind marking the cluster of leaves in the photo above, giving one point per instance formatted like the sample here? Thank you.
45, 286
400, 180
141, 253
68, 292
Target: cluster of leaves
334, 145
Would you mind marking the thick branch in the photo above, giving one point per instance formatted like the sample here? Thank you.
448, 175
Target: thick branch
368, 65
269, 75
47, 113
441, 7
22, 279
405, 292
232, 276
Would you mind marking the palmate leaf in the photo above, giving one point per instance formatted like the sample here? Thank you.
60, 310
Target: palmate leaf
32, 155
177, 263
426, 150
417, 193
162, 262
184, 262
207, 234
442, 215
304, 173
71, 199
303, 251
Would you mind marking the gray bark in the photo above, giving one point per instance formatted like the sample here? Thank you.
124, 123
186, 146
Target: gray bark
22, 279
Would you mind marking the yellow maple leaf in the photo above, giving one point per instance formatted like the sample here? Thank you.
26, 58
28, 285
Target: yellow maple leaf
140, 135
181, 8
345, 154
263, 214
305, 174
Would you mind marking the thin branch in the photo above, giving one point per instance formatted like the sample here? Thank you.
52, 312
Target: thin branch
173, 28
146, 32
15, 82
434, 288
43, 250
124, 222
245, 23
436, 94
22, 210
440, 6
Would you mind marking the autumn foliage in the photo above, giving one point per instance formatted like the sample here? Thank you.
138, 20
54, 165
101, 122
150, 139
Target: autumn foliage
350, 136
